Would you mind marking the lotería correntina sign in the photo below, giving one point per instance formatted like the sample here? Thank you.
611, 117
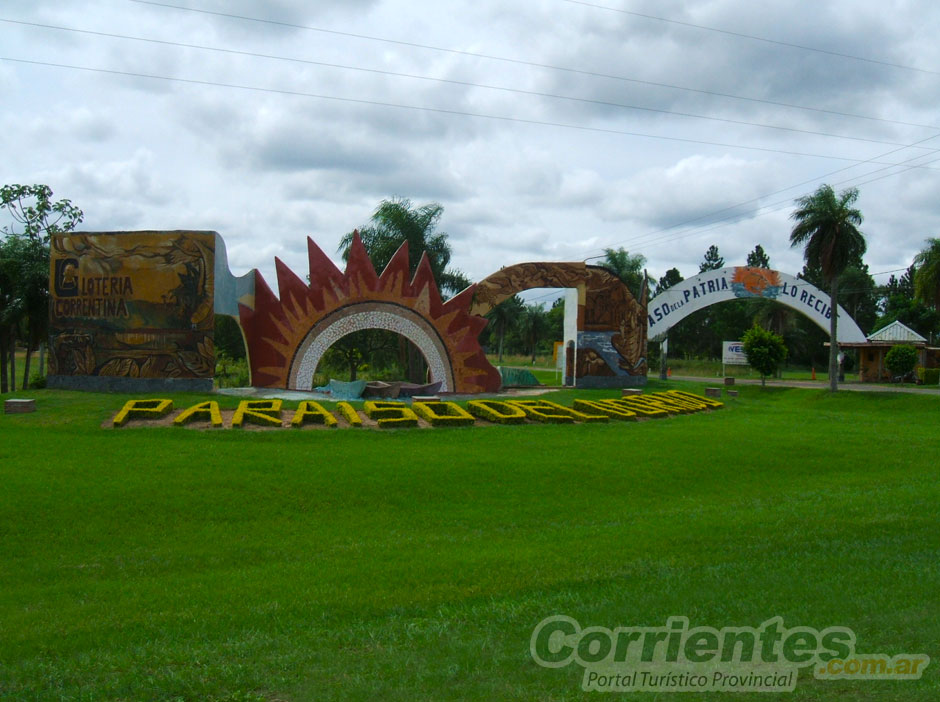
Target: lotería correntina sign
675, 304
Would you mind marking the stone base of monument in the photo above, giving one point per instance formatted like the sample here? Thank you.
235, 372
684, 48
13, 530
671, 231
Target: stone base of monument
712, 392
19, 406
630, 391
425, 398
732, 393
729, 381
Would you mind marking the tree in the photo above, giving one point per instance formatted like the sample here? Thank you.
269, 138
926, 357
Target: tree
533, 325
627, 267
927, 275
827, 227
24, 282
396, 221
901, 359
504, 317
713, 260
758, 258
765, 351
672, 277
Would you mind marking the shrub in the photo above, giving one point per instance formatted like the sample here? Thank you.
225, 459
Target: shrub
765, 351
901, 359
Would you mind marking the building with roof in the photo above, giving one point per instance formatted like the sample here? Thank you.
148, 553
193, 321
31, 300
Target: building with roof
871, 353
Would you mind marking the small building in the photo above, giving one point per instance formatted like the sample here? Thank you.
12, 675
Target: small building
871, 354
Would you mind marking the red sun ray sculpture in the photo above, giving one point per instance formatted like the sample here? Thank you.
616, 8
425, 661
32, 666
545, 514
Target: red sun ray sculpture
286, 337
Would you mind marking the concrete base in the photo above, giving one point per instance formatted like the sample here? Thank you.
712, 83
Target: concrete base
610, 381
102, 383
626, 392
712, 392
19, 406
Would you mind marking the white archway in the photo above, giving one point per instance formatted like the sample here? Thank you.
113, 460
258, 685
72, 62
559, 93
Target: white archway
370, 315
741, 282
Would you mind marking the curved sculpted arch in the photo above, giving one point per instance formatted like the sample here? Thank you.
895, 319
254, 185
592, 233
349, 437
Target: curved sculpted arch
710, 287
287, 335
606, 326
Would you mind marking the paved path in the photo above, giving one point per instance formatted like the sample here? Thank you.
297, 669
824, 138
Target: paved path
815, 385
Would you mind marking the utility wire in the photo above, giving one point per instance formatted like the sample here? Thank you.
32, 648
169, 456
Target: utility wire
709, 215
432, 110
519, 91
522, 62
753, 37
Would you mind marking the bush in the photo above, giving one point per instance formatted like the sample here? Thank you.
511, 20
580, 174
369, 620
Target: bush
765, 351
901, 359
37, 382
929, 376
231, 373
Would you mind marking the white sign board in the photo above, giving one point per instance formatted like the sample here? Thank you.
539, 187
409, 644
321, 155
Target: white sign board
732, 353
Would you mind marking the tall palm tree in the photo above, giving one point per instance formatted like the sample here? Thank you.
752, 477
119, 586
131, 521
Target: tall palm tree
532, 325
827, 227
504, 317
628, 267
396, 221
927, 275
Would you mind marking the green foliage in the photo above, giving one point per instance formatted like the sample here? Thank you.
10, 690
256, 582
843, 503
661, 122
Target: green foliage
228, 337
231, 372
24, 266
628, 267
765, 351
396, 221
901, 359
712, 261
672, 277
827, 227
758, 258
927, 277
929, 376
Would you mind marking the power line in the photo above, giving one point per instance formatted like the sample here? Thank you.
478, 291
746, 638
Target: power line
522, 62
776, 192
753, 37
520, 91
432, 110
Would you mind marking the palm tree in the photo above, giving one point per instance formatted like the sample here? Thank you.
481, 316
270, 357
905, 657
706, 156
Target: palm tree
927, 275
532, 326
827, 227
396, 221
627, 267
504, 317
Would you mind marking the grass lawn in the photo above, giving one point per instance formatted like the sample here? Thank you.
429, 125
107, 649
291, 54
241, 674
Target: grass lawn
176, 564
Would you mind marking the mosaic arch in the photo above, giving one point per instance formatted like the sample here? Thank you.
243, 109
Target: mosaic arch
675, 304
287, 336
604, 322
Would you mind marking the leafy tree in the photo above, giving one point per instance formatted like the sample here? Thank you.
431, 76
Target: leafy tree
627, 267
713, 260
827, 227
927, 277
672, 277
228, 337
898, 286
765, 351
24, 283
901, 359
758, 258
912, 313
504, 317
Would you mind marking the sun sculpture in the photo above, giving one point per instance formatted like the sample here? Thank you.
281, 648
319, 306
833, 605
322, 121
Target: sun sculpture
287, 337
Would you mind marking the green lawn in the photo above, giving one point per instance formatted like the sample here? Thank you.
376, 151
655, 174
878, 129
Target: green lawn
165, 564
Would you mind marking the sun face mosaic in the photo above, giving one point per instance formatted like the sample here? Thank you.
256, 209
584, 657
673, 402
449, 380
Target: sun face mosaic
288, 335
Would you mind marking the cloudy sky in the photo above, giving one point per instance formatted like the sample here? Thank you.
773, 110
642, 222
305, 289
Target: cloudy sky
548, 129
